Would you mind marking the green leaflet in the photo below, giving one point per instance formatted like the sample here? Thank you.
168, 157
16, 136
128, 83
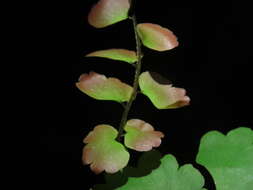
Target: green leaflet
141, 136
103, 152
100, 87
108, 12
156, 37
115, 54
163, 96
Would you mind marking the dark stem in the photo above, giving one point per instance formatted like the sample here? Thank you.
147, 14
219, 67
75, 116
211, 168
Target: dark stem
136, 77
132, 8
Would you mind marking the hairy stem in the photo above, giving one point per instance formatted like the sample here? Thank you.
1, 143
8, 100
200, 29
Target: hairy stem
136, 77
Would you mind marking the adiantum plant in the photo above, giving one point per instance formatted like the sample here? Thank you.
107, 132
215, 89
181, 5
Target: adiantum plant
225, 157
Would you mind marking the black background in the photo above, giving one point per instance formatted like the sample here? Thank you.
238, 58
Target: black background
212, 63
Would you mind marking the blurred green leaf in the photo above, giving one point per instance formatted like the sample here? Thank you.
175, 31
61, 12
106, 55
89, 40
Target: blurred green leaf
167, 177
147, 162
228, 158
